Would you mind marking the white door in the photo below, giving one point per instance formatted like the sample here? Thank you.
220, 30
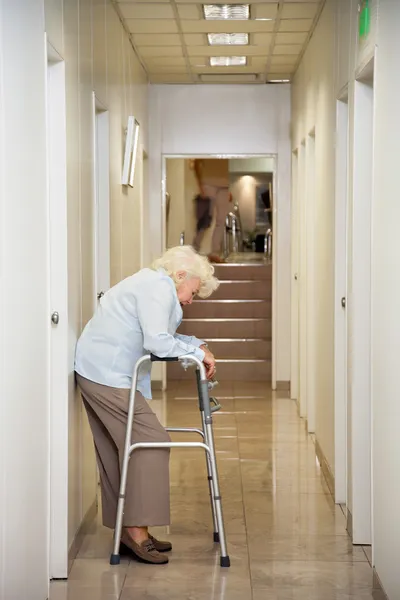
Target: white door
58, 317
311, 304
101, 200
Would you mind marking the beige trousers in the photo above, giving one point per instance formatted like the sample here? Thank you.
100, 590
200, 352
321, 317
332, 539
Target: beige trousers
147, 492
220, 198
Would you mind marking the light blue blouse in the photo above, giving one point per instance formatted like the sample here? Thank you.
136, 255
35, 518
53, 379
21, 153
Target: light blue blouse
137, 316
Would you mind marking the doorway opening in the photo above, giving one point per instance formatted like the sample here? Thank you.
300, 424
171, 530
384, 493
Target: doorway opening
58, 318
101, 174
359, 425
238, 321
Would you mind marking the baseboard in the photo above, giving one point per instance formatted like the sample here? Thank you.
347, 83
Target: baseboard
80, 534
283, 386
349, 526
377, 584
326, 470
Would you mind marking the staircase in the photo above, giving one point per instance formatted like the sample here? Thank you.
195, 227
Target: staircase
235, 322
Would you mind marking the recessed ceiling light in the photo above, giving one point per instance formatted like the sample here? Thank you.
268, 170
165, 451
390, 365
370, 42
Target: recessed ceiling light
263, 19
226, 11
228, 39
278, 80
228, 61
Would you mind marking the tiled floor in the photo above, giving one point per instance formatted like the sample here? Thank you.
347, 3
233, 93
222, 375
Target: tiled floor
286, 538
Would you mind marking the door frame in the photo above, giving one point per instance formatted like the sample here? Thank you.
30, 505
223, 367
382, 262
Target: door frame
58, 301
101, 198
340, 312
294, 294
359, 286
275, 214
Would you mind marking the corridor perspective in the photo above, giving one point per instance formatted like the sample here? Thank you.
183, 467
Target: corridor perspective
141, 142
286, 538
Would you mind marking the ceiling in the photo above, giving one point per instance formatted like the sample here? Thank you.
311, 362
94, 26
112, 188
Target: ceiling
170, 39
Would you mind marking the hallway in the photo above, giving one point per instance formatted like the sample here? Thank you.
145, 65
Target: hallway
287, 540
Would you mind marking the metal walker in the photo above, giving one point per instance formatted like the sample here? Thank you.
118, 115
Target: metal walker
207, 406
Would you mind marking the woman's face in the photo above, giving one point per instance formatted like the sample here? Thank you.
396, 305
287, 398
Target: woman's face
187, 289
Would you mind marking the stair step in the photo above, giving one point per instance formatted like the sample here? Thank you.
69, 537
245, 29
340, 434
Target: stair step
243, 271
241, 348
226, 328
228, 370
244, 290
228, 309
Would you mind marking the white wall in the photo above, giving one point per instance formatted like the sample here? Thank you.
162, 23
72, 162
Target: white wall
315, 91
99, 58
24, 435
386, 302
249, 119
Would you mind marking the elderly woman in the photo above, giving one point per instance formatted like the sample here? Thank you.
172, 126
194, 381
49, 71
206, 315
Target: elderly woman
137, 316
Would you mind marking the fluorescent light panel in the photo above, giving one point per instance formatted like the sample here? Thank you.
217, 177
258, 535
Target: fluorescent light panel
220, 12
228, 61
228, 39
278, 80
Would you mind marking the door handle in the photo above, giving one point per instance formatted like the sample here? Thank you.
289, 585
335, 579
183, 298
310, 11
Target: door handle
100, 295
343, 302
55, 318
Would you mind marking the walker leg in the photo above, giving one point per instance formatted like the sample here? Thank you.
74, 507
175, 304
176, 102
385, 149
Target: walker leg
210, 484
115, 557
225, 560
204, 400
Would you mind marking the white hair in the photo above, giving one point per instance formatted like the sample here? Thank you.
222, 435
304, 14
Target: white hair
185, 258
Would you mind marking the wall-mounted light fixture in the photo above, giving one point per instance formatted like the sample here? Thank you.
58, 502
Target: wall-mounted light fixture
131, 147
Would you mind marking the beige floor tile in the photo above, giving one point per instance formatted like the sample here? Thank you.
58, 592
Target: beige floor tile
333, 576
285, 536
63, 590
307, 547
98, 573
316, 593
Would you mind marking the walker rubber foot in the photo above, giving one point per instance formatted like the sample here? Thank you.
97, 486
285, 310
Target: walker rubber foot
225, 561
216, 537
115, 559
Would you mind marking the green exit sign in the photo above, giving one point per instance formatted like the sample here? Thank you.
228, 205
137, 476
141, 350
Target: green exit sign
364, 21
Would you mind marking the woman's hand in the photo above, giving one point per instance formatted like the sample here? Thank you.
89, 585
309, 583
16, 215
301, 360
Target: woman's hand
209, 361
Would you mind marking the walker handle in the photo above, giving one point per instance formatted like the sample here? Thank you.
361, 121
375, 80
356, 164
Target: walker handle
155, 358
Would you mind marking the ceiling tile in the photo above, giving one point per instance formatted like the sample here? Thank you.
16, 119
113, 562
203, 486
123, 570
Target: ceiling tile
291, 38
259, 62
264, 11
166, 69
199, 61
195, 39
301, 1
281, 68
147, 11
165, 61
220, 70
287, 49
160, 39
152, 25
299, 10
170, 78
261, 39
160, 51
141, 2
226, 26
227, 51
289, 59
295, 25
190, 11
